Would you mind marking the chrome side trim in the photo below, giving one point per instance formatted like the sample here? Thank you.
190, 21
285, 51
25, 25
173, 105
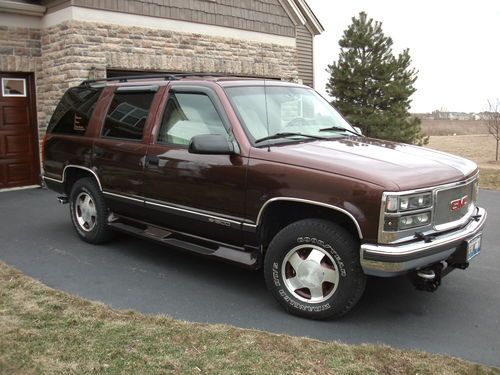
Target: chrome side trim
74, 166
146, 202
300, 200
52, 179
123, 196
192, 212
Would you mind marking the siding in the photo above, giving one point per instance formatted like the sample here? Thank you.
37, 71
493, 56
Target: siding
266, 16
305, 56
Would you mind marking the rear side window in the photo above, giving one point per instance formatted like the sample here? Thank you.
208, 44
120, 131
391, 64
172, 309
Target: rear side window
127, 115
73, 113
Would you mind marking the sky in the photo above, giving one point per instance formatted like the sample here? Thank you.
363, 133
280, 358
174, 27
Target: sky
455, 46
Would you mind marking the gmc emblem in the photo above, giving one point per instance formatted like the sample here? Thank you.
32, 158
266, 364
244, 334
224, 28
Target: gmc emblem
457, 204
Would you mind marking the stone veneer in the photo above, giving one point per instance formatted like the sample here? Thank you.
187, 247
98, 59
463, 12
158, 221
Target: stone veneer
63, 55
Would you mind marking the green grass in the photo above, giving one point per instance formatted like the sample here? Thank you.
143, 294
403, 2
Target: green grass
44, 331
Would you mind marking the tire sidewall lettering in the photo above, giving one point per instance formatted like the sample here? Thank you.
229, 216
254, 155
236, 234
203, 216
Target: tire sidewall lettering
327, 247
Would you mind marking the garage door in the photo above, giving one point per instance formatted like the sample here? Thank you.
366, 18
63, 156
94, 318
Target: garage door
19, 163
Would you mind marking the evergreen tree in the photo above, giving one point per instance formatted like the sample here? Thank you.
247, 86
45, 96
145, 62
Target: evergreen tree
371, 87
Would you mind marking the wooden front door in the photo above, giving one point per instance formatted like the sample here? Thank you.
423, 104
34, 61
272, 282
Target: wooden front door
19, 162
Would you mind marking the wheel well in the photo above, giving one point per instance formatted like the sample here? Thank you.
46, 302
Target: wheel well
278, 215
73, 174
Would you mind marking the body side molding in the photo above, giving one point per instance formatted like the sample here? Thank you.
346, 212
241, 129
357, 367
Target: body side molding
74, 166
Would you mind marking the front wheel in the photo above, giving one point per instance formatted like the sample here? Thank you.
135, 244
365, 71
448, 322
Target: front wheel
312, 268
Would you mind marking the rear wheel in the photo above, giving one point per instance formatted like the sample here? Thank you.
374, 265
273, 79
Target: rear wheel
312, 268
89, 212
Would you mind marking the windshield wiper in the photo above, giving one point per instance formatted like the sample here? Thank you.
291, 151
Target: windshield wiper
287, 134
334, 128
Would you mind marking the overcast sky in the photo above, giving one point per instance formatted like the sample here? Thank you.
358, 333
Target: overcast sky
455, 45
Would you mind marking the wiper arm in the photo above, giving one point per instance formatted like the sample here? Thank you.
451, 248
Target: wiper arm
286, 135
333, 128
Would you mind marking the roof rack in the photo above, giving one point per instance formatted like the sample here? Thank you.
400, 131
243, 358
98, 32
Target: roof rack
166, 77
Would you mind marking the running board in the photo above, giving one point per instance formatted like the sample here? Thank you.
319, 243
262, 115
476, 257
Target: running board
168, 237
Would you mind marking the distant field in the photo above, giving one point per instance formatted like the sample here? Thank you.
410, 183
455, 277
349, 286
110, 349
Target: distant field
479, 148
450, 127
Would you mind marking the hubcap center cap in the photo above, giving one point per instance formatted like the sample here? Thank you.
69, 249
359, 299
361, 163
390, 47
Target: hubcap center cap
310, 274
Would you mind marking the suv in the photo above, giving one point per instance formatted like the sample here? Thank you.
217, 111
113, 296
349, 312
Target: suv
261, 173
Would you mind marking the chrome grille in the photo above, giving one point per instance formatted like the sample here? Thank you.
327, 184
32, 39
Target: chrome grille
444, 216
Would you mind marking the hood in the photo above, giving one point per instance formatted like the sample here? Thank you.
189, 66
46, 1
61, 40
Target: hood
394, 166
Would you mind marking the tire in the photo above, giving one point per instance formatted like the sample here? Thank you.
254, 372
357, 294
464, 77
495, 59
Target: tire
312, 268
89, 212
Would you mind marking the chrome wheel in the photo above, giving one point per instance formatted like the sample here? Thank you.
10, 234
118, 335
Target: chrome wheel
85, 212
310, 273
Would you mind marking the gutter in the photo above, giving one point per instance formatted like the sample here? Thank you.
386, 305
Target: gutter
16, 7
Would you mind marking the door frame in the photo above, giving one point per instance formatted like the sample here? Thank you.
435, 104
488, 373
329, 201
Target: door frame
33, 118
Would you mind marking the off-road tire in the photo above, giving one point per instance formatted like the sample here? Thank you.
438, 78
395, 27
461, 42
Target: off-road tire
338, 245
100, 232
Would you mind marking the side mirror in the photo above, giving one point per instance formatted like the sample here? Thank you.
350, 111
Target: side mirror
358, 130
211, 144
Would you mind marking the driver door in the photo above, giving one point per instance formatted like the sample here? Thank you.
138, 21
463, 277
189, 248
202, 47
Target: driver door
201, 195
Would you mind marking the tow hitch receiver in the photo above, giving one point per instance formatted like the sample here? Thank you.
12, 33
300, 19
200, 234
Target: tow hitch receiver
429, 279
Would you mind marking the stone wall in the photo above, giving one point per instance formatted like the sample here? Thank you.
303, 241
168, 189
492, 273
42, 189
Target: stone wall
71, 49
20, 49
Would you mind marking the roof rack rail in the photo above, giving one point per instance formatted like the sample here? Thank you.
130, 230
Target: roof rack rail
168, 77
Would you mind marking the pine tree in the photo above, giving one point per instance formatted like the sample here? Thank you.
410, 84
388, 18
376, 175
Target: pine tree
372, 87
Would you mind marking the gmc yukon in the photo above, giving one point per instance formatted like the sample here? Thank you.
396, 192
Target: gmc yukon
260, 173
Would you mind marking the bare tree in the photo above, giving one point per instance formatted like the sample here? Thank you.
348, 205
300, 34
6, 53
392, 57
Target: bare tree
493, 122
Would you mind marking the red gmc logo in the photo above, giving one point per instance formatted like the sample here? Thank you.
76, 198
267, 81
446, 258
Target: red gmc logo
457, 204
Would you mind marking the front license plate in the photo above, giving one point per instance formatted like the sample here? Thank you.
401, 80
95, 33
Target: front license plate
473, 247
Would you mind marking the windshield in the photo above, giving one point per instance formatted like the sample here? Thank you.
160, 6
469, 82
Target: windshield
296, 110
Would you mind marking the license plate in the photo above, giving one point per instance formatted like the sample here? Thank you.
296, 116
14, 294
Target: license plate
473, 247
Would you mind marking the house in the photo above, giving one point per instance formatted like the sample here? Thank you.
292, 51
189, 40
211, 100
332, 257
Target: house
48, 46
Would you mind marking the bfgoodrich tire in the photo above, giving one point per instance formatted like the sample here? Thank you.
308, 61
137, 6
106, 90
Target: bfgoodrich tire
89, 212
312, 269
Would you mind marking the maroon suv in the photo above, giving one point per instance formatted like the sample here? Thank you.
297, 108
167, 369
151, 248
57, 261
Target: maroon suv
261, 173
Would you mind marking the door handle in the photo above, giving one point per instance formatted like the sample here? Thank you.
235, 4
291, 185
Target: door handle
153, 160
98, 152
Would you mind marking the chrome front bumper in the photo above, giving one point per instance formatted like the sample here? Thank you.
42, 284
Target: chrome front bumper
392, 260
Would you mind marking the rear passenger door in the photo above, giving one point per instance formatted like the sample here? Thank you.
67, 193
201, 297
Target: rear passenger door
120, 150
202, 195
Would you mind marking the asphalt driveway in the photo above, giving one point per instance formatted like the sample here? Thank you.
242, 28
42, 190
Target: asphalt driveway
462, 318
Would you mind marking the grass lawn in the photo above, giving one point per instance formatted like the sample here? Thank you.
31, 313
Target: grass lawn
479, 148
44, 331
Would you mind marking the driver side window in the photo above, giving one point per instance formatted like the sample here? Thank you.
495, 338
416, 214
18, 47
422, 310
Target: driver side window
187, 115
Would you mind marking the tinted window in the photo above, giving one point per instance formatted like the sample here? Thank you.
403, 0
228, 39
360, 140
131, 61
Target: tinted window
73, 113
187, 115
127, 115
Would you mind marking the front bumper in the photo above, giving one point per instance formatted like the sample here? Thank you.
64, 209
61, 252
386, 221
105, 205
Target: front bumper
392, 260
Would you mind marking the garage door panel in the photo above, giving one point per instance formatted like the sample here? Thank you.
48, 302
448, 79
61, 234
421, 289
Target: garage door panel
19, 173
3, 178
17, 116
18, 144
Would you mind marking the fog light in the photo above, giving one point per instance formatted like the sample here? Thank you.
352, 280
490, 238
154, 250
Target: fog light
416, 220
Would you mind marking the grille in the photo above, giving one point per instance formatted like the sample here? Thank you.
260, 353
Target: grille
443, 215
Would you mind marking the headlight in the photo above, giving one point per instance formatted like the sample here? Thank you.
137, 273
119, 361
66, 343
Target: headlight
395, 203
407, 211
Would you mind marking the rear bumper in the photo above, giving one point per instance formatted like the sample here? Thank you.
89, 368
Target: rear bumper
392, 260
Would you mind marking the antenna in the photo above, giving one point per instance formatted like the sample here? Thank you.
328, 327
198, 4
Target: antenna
267, 116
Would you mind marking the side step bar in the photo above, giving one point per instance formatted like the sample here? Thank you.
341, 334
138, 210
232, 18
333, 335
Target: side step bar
205, 248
